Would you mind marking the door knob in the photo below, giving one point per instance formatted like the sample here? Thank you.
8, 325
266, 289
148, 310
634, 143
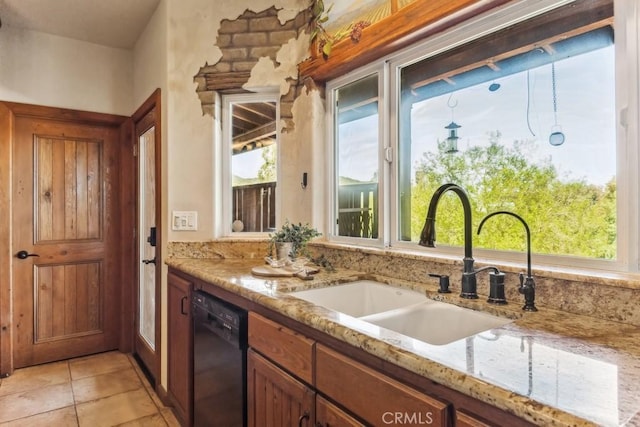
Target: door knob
149, 261
25, 254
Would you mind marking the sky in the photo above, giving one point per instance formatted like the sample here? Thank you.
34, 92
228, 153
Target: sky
585, 90
247, 164
585, 112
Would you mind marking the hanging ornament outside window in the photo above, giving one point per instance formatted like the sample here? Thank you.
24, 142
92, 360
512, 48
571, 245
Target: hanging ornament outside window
556, 137
451, 143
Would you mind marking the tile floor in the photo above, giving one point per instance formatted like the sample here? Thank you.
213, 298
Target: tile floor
107, 389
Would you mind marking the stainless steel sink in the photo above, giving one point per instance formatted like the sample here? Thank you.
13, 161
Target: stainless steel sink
361, 298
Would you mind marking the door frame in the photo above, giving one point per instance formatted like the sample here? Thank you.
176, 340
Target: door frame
8, 112
153, 103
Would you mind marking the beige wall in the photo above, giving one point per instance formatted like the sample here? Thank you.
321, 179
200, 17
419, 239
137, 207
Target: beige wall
179, 39
192, 32
42, 69
150, 57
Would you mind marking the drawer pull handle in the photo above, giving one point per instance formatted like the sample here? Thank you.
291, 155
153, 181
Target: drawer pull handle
303, 417
184, 298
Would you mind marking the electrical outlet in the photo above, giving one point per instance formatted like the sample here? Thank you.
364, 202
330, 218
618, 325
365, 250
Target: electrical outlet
184, 221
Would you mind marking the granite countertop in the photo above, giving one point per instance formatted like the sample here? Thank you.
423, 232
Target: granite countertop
548, 367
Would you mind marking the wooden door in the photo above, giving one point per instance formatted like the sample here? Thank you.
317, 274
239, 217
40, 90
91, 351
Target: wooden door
66, 281
275, 398
147, 313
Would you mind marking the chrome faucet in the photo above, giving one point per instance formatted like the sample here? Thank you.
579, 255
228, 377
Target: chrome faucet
428, 237
527, 285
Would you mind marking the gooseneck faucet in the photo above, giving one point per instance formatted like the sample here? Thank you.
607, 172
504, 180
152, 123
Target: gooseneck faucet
428, 236
527, 285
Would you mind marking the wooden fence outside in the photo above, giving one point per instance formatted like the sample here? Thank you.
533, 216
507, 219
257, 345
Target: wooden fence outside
255, 206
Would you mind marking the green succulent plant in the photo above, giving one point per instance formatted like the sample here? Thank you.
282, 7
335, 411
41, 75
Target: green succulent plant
297, 234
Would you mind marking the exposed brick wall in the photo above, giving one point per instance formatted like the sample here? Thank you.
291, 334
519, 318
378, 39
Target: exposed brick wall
243, 42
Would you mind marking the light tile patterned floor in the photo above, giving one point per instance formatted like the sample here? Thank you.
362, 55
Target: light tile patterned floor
107, 389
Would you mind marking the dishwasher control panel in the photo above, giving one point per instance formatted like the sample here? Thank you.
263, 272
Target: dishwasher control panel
226, 320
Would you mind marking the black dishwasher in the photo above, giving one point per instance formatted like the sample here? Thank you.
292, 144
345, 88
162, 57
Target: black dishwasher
219, 363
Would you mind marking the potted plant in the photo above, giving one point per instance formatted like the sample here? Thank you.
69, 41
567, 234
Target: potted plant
291, 240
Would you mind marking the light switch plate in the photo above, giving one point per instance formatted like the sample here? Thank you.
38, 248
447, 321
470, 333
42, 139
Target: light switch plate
184, 220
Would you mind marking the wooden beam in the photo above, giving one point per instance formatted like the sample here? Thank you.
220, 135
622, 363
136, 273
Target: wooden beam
255, 134
224, 81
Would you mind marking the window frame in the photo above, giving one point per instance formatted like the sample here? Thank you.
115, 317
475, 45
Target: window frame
225, 154
381, 69
627, 114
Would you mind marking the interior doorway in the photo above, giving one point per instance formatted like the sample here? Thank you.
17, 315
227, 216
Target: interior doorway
147, 136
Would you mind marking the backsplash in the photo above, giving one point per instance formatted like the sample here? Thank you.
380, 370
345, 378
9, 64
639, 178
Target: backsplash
608, 296
223, 249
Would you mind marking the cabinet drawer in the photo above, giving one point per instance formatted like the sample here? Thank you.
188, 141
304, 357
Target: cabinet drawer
290, 350
466, 420
376, 398
328, 415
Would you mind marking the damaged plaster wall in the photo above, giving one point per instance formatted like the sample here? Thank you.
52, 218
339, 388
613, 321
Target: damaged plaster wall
259, 52
192, 34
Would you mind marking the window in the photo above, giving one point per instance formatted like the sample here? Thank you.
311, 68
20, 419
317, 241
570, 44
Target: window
517, 107
250, 135
356, 160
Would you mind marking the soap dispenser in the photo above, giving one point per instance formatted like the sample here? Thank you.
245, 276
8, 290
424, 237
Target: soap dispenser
444, 283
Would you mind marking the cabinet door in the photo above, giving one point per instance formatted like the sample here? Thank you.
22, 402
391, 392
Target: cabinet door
466, 420
275, 398
179, 346
329, 415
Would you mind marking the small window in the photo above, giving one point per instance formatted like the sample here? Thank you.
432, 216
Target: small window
251, 144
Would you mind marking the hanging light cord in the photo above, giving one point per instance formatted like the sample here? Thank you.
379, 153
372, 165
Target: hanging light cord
553, 90
529, 102
450, 105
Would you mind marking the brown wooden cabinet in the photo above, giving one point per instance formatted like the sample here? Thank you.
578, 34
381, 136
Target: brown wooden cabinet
275, 394
296, 376
373, 396
294, 380
275, 398
180, 347
289, 349
279, 379
467, 420
329, 415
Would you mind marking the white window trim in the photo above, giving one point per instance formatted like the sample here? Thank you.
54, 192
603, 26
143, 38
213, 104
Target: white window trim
627, 48
223, 215
627, 55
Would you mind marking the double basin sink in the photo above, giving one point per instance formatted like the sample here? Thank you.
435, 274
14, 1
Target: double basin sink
404, 311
